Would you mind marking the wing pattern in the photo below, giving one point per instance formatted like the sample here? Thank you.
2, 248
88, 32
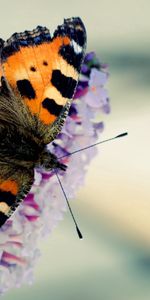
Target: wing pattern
44, 70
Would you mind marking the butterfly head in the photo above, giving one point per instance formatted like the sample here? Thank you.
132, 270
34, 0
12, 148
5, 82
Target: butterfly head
49, 161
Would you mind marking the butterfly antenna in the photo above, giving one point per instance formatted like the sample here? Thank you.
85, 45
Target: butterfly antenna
104, 141
74, 220
93, 145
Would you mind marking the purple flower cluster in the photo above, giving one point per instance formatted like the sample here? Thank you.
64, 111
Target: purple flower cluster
45, 205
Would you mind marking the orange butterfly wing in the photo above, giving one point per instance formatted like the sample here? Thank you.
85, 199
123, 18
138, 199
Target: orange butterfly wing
13, 189
45, 70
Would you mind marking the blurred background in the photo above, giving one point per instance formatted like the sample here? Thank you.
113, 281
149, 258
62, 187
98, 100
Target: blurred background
113, 208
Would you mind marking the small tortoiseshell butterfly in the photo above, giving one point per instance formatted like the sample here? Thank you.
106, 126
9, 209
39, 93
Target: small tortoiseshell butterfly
39, 75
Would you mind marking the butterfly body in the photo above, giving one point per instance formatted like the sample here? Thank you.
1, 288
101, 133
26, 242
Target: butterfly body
39, 74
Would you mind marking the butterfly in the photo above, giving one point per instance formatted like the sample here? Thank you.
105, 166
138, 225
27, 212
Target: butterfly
39, 76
